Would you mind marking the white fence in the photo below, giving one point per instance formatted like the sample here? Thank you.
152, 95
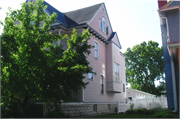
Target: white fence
146, 102
122, 107
149, 102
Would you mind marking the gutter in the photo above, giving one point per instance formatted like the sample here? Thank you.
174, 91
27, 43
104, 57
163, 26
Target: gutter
172, 67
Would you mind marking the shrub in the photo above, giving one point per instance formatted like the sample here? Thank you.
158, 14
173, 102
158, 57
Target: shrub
141, 111
56, 114
165, 114
151, 111
130, 112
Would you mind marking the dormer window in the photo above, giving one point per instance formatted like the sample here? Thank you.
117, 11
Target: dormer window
103, 25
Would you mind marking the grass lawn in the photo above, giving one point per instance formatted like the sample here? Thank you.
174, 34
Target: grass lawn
122, 116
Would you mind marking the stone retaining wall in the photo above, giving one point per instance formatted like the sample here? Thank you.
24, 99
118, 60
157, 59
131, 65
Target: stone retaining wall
83, 109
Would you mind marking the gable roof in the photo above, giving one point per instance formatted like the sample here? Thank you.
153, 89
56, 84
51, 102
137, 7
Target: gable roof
72, 18
170, 6
140, 91
60, 16
112, 37
82, 16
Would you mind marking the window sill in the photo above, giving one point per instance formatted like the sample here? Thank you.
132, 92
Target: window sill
89, 79
103, 32
96, 58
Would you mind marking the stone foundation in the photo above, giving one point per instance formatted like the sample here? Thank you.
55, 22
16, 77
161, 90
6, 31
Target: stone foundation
83, 109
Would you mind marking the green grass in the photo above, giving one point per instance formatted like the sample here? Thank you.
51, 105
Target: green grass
141, 113
122, 116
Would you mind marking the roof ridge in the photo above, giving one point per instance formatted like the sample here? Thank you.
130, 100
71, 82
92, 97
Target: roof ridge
55, 10
83, 8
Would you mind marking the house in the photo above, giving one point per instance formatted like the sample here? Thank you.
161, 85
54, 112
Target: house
108, 85
133, 93
169, 23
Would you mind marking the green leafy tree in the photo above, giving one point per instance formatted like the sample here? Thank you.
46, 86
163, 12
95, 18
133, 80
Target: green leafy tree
144, 65
31, 67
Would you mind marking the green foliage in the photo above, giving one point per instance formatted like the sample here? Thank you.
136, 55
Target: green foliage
144, 65
57, 114
165, 114
31, 66
137, 111
156, 113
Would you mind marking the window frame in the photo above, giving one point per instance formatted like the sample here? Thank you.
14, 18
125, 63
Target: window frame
96, 49
117, 72
91, 74
103, 26
123, 87
102, 84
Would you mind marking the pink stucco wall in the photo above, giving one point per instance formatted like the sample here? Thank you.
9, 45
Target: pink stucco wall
104, 66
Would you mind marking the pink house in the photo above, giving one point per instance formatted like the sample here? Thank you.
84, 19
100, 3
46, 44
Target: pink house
108, 85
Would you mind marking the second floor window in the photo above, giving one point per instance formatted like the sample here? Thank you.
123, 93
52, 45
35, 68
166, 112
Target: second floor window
96, 49
117, 72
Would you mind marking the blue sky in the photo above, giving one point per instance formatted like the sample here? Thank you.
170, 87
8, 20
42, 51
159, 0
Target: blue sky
134, 21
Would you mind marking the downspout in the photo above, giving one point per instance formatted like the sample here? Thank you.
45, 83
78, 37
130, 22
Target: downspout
172, 69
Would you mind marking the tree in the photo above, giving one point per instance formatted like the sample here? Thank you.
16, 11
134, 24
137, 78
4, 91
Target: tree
32, 68
144, 65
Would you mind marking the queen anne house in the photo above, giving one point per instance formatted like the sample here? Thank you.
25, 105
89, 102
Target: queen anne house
106, 59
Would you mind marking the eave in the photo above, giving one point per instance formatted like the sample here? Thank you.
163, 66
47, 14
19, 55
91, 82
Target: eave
174, 45
170, 9
96, 34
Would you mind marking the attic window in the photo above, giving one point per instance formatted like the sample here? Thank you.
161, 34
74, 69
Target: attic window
103, 25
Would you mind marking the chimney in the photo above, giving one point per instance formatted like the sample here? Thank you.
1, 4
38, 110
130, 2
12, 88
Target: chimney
161, 3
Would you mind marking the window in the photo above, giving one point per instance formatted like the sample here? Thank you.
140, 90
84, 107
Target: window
102, 85
96, 50
104, 28
109, 107
123, 87
90, 75
95, 107
117, 72
130, 98
55, 43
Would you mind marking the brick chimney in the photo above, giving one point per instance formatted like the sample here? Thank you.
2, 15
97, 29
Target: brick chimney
161, 3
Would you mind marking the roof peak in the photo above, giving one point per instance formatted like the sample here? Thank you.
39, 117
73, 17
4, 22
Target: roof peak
84, 7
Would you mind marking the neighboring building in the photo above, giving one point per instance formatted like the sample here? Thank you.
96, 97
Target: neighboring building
133, 93
169, 19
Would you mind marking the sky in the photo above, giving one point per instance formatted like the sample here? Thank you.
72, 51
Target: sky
134, 21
